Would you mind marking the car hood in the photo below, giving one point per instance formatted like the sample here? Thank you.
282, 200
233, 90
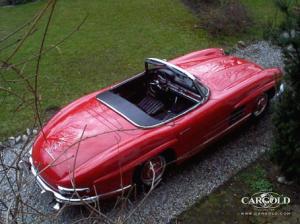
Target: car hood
79, 132
221, 72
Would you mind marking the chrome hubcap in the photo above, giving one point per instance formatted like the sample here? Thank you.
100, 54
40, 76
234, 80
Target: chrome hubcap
261, 105
153, 170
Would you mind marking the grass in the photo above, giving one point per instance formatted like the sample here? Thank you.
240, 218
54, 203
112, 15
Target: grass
111, 45
264, 13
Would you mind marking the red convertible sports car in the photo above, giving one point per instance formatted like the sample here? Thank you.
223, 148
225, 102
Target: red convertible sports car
108, 141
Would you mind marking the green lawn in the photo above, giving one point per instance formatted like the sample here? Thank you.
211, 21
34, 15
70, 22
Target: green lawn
263, 11
110, 46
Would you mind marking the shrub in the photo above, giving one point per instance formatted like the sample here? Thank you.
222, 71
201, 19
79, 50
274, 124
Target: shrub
286, 118
222, 17
199, 3
16, 2
229, 18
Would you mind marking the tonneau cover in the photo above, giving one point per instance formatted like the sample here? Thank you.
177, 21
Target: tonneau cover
127, 109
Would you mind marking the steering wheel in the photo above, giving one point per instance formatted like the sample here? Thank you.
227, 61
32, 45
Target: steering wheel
160, 83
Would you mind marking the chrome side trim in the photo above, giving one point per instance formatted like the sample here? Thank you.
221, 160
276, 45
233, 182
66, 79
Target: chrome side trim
72, 201
196, 149
226, 129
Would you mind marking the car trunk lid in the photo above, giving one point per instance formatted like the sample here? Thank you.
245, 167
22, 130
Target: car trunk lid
85, 129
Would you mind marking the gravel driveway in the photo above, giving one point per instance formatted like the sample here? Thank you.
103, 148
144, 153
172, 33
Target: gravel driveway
183, 185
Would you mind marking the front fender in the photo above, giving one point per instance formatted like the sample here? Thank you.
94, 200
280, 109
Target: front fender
199, 55
271, 78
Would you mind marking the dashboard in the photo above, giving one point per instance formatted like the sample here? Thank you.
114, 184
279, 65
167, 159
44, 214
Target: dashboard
166, 80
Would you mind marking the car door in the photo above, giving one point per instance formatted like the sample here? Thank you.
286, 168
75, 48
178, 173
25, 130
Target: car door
202, 125
211, 120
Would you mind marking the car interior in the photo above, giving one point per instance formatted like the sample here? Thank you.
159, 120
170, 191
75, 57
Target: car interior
160, 92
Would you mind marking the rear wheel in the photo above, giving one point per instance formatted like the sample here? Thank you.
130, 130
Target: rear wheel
150, 173
261, 105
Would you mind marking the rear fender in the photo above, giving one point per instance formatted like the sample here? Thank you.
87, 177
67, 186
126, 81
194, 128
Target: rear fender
128, 169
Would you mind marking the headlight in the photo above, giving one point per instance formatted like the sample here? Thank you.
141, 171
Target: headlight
73, 192
280, 89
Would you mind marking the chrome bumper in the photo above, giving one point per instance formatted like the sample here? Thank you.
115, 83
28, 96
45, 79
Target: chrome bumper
72, 201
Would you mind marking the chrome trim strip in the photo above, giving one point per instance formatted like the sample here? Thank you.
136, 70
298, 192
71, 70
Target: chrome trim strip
196, 149
60, 188
73, 201
227, 129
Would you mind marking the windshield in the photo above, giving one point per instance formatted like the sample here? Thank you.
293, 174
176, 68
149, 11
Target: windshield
179, 76
202, 88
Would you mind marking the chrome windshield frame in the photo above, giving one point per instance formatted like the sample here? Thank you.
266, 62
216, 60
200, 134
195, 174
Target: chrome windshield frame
171, 66
175, 67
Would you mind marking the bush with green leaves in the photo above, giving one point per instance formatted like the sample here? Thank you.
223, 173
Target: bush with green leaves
286, 117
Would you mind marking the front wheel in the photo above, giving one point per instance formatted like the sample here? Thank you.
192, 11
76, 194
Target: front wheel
261, 105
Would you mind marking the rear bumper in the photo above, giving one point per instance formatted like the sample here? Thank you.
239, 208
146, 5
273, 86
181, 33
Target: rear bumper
65, 200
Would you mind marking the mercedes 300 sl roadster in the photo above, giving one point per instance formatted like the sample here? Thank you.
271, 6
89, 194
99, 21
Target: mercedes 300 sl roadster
124, 135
